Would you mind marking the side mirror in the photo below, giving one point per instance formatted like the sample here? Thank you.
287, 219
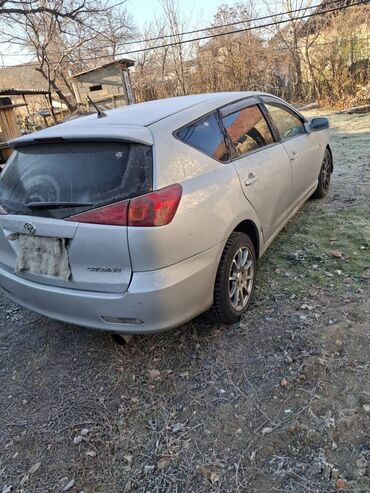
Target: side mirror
319, 124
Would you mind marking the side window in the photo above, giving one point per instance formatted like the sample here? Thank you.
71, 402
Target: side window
206, 136
288, 124
247, 130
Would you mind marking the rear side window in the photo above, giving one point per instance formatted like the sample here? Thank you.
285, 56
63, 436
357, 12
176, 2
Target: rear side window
288, 124
57, 180
247, 130
206, 136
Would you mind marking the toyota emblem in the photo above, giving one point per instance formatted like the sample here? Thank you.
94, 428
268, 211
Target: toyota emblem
29, 228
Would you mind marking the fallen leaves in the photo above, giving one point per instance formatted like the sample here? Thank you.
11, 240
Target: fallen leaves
212, 472
69, 485
34, 468
30, 472
284, 382
163, 463
179, 427
341, 484
154, 375
307, 307
267, 430
336, 254
128, 458
214, 477
366, 408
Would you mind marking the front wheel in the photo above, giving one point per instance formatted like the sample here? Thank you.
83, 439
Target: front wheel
235, 279
324, 176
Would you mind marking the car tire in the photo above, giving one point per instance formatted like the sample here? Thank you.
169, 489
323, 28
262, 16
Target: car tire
324, 176
235, 280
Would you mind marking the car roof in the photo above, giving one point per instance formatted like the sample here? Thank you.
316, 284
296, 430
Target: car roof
139, 115
151, 112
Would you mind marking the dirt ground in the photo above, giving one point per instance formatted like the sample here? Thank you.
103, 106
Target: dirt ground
277, 403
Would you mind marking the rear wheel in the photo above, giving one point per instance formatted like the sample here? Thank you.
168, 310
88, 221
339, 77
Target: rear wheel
324, 176
235, 279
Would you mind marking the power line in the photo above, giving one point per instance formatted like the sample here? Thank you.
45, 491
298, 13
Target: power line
282, 48
219, 26
210, 36
251, 28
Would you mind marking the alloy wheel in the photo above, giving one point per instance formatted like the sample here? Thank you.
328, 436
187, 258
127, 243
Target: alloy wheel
241, 278
325, 172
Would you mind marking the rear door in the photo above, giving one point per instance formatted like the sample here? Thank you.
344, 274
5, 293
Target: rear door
303, 148
262, 164
45, 191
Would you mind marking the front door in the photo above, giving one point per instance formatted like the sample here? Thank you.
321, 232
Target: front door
303, 148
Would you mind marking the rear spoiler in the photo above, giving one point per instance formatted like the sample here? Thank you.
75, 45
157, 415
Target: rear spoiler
83, 132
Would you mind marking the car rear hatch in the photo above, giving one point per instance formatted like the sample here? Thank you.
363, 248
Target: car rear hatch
46, 189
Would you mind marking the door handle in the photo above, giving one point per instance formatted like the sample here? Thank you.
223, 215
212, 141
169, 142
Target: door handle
293, 156
251, 179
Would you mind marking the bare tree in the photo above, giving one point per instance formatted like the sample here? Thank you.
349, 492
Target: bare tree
336, 54
151, 77
287, 35
235, 61
179, 52
162, 65
65, 35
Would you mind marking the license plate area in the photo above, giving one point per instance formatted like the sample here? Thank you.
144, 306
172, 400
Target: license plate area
42, 255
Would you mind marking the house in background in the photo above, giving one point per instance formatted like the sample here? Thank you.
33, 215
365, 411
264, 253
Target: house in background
26, 87
108, 84
30, 92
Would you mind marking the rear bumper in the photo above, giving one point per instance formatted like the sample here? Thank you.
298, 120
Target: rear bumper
159, 299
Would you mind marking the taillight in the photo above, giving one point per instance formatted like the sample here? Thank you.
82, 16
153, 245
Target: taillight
153, 209
2, 211
114, 214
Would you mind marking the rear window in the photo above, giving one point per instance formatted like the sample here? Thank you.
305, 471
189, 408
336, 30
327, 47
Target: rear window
74, 177
206, 136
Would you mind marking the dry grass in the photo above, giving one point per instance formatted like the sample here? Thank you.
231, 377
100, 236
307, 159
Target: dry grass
198, 426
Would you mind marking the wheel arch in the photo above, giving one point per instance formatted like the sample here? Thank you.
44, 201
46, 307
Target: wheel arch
249, 228
331, 157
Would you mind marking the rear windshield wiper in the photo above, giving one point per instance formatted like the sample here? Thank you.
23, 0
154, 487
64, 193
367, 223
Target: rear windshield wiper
56, 205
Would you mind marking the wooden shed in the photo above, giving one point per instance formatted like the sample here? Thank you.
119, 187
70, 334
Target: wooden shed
8, 127
8, 122
109, 84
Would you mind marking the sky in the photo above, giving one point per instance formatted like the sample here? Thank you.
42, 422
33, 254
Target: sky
199, 10
199, 13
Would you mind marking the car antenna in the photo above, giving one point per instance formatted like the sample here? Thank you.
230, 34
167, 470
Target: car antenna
101, 113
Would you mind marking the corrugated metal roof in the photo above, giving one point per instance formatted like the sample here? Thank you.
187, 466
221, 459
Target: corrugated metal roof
25, 77
21, 92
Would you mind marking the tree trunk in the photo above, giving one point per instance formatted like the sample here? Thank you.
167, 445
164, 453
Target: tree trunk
56, 89
312, 74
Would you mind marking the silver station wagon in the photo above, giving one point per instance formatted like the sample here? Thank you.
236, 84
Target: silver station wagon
139, 219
